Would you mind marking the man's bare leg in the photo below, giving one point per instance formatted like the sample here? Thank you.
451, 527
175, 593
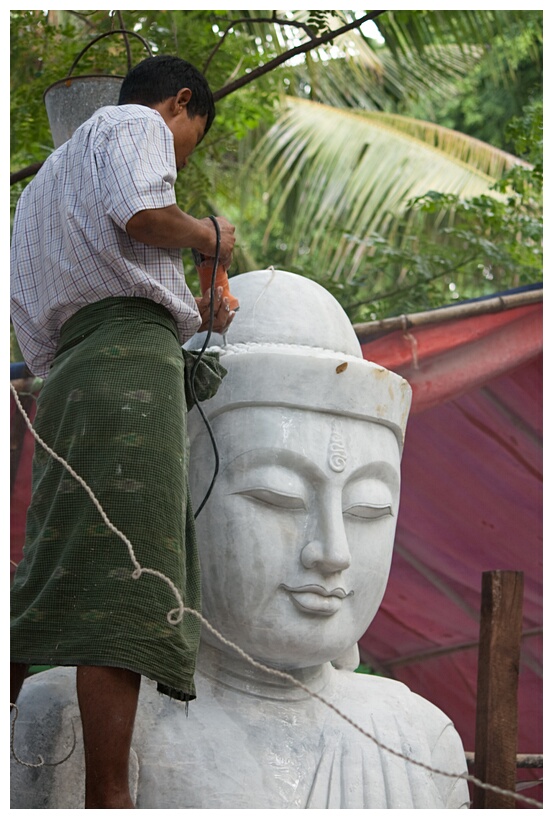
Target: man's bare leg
108, 699
18, 672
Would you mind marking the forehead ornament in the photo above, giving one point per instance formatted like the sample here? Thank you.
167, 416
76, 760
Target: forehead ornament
337, 456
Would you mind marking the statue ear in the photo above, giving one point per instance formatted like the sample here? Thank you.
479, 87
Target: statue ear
349, 660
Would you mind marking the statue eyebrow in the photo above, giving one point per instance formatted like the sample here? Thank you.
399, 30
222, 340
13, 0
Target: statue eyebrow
381, 470
292, 460
274, 456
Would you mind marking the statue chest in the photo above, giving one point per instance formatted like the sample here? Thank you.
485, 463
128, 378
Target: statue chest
245, 752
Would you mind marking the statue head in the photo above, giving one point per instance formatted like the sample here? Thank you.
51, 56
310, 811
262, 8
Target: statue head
296, 538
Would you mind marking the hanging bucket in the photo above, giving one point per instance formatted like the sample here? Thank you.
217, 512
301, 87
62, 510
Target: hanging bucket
73, 100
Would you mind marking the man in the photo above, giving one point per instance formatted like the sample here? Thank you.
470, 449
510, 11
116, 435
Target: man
101, 309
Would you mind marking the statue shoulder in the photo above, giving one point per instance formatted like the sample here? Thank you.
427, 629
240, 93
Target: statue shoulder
46, 692
360, 687
384, 695
391, 702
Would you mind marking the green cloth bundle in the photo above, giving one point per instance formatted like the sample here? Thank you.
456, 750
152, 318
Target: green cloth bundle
114, 406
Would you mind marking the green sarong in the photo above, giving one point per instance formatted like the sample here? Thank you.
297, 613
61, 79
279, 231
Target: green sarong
115, 407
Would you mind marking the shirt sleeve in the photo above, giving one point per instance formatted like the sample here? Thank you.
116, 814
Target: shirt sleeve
139, 170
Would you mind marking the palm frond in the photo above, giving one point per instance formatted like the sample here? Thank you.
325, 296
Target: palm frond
473, 152
404, 30
359, 78
333, 176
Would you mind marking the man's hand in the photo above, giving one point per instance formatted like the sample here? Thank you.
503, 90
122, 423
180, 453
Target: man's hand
227, 240
222, 314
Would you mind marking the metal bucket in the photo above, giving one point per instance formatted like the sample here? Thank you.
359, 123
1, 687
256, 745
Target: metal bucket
72, 101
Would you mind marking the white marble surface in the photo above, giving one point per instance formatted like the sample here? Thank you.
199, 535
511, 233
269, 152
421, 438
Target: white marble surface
295, 544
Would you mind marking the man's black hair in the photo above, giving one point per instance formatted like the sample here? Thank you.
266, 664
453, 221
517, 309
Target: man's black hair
155, 79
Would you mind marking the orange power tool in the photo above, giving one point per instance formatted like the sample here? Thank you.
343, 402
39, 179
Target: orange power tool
204, 266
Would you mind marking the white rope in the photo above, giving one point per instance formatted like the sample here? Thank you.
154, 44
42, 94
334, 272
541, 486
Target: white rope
176, 615
40, 759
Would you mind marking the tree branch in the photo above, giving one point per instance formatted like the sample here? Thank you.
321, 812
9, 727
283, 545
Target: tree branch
399, 291
234, 23
30, 170
83, 18
314, 42
293, 52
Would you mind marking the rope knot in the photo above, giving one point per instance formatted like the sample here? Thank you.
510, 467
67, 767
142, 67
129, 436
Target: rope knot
175, 616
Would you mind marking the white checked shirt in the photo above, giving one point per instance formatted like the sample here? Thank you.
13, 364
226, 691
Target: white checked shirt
69, 245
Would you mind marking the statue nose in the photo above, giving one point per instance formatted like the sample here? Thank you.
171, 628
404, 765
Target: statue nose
325, 557
329, 551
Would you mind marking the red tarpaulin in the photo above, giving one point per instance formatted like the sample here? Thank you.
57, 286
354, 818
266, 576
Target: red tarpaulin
471, 502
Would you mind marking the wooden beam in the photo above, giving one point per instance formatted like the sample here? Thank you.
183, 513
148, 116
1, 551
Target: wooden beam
497, 692
523, 760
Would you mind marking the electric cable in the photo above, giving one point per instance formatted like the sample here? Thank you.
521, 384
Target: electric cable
197, 363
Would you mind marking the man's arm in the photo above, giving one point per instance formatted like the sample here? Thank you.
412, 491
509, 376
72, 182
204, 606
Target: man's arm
172, 227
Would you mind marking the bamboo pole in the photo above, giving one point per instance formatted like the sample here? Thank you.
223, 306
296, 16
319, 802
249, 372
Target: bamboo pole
467, 310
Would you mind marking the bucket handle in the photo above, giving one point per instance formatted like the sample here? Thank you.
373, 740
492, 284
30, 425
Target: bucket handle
108, 34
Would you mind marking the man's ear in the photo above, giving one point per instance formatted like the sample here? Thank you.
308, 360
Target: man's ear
182, 98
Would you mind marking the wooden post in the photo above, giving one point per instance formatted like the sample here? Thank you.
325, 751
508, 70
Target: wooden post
496, 699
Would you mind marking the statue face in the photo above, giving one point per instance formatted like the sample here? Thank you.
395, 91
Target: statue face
296, 538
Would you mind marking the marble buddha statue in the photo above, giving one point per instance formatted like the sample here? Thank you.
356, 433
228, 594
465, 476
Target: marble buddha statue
295, 543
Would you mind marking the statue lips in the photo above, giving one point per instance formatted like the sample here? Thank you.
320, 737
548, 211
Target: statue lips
316, 599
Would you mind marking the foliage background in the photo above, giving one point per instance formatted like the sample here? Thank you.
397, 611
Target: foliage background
461, 88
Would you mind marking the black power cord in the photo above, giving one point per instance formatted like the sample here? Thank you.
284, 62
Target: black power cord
198, 360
